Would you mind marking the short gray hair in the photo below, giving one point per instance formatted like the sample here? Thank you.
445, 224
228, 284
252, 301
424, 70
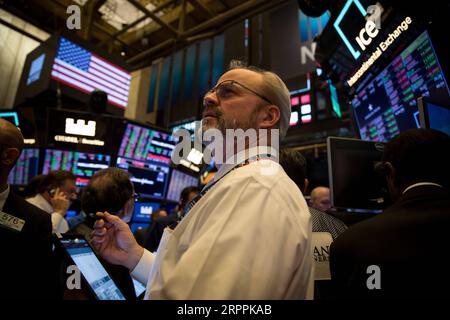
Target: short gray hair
275, 89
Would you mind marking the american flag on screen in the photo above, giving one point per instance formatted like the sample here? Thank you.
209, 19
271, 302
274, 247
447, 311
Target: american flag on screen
83, 70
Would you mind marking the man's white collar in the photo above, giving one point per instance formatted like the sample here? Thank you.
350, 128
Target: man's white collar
421, 184
241, 156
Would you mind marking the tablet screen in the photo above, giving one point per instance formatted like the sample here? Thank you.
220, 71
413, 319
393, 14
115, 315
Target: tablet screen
91, 268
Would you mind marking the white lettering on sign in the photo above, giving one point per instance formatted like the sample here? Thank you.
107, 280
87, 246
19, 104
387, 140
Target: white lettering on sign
142, 181
94, 142
80, 127
307, 52
371, 30
29, 141
403, 26
70, 139
66, 139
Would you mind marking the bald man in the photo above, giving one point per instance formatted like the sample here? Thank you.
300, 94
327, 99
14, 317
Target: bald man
26, 268
320, 198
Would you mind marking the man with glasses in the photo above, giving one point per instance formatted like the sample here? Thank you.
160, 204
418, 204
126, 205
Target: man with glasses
55, 194
247, 235
27, 266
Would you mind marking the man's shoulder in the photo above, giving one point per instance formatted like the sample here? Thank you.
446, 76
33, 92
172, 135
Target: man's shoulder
21, 208
361, 233
266, 173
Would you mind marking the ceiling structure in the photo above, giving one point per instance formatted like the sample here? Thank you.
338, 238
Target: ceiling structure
139, 30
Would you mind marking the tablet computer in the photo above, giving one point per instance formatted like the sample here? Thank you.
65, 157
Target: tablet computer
91, 269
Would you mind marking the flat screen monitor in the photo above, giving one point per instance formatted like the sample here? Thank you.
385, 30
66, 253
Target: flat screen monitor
178, 181
387, 105
83, 165
145, 144
81, 69
27, 167
143, 211
149, 178
434, 115
354, 183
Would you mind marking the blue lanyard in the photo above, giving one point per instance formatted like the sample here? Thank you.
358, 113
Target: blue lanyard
192, 203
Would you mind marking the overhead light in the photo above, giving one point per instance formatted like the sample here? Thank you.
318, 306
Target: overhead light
119, 13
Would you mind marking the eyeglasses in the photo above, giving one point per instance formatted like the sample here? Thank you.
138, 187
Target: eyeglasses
228, 88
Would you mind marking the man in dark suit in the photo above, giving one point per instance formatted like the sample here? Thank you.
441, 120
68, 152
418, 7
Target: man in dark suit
27, 267
401, 253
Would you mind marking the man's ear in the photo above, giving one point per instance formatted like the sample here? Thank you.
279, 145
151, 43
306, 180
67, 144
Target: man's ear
270, 116
306, 186
9, 156
390, 173
128, 205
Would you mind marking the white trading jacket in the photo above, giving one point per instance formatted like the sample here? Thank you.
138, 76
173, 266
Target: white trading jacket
248, 237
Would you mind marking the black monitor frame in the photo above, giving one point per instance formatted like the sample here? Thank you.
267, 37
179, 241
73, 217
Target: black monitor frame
423, 105
364, 191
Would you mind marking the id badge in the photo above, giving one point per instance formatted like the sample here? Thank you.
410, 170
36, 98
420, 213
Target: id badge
11, 222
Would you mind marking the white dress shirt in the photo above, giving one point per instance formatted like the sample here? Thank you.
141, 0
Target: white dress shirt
59, 224
248, 237
3, 196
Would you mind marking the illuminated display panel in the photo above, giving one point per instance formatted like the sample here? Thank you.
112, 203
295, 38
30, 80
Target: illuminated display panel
294, 118
27, 167
35, 69
179, 181
388, 104
81, 69
143, 211
149, 178
82, 165
145, 144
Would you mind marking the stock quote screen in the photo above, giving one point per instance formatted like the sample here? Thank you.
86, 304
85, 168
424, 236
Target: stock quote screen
82, 165
149, 178
145, 144
179, 181
26, 167
388, 104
